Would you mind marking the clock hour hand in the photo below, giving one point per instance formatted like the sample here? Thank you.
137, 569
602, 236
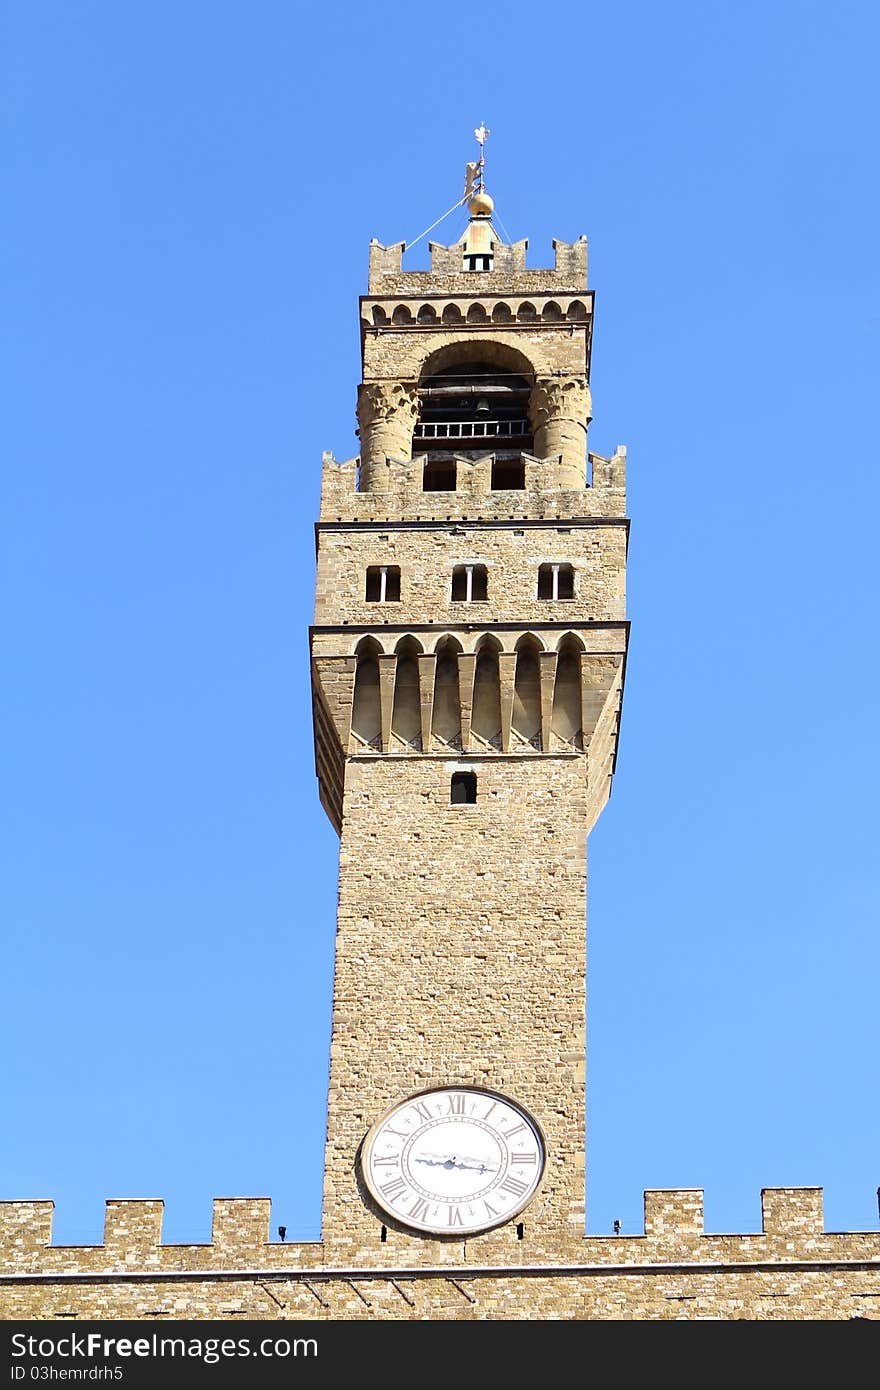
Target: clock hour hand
453, 1161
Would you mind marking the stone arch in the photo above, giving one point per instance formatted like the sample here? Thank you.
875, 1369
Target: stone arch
402, 315
446, 714
366, 715
445, 640
427, 314
380, 318
526, 719
566, 719
406, 718
477, 314
451, 314
551, 312
486, 717
571, 639
502, 314
527, 313
489, 349
577, 311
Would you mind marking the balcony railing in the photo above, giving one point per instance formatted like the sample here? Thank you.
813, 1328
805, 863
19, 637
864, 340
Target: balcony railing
471, 429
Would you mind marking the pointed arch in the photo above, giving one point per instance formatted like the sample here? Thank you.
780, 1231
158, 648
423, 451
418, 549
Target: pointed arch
366, 715
379, 316
551, 312
446, 717
451, 314
566, 719
427, 314
577, 311
526, 720
402, 315
477, 314
501, 314
486, 718
406, 718
527, 313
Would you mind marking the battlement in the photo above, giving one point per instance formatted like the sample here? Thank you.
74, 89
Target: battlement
507, 276
402, 498
673, 1221
793, 1268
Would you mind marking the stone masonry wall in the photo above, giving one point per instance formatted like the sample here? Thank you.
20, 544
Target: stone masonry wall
460, 960
426, 559
793, 1269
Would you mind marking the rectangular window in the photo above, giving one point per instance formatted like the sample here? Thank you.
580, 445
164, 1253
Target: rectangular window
555, 581
383, 584
463, 791
470, 584
508, 475
439, 476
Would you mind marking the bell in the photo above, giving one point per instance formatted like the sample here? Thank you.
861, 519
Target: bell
482, 406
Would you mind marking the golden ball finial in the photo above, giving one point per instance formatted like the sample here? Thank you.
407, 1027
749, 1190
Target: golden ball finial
481, 205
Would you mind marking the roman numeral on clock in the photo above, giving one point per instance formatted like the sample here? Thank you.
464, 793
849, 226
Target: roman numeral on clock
419, 1209
455, 1216
456, 1104
393, 1189
513, 1186
524, 1158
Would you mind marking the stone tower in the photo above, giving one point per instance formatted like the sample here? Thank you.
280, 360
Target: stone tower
468, 658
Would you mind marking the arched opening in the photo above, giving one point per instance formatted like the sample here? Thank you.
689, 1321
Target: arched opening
406, 717
366, 715
577, 311
551, 312
427, 314
486, 717
401, 315
527, 313
477, 314
566, 719
451, 314
446, 721
472, 405
501, 314
526, 720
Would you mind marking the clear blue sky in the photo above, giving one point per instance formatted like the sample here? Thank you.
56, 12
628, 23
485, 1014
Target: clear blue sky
190, 194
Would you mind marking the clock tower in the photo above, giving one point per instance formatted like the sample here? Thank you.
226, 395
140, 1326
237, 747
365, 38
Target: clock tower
468, 659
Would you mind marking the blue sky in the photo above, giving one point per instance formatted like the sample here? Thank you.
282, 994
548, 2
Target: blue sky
191, 190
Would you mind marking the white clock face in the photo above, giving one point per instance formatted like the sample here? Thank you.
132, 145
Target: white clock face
454, 1159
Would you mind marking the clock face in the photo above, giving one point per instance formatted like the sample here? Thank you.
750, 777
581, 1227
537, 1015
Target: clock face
454, 1159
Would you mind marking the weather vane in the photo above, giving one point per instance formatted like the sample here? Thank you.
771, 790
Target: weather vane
474, 170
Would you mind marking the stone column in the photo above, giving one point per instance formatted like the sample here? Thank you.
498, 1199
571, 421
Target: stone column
560, 410
387, 413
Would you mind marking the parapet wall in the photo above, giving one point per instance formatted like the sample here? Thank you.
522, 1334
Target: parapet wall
792, 1269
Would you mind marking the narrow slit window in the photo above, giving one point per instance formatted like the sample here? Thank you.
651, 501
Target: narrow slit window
555, 581
463, 791
383, 584
470, 584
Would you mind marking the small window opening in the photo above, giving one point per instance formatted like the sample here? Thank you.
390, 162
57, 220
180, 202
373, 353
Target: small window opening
383, 1234
477, 262
520, 1229
555, 581
383, 584
508, 475
439, 476
470, 584
463, 791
